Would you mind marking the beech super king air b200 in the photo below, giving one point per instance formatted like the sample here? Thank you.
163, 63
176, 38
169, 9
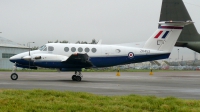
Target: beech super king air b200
74, 57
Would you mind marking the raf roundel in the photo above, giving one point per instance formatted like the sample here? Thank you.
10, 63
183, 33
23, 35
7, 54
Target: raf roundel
130, 55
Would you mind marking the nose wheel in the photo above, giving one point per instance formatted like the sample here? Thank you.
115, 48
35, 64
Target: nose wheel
77, 77
14, 76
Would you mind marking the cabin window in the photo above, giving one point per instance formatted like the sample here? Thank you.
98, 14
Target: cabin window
87, 50
66, 49
50, 48
73, 49
94, 50
80, 49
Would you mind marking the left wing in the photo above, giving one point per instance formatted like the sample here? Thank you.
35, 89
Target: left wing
79, 59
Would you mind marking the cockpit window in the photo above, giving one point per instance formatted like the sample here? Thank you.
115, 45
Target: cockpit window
42, 48
45, 49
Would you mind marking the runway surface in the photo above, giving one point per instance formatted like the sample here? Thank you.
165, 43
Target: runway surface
162, 84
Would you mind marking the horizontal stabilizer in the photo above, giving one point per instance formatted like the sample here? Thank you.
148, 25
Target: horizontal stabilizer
175, 23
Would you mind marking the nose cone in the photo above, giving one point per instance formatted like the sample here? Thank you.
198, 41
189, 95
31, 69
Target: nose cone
13, 59
19, 59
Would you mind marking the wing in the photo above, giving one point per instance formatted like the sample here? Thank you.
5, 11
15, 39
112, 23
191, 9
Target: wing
79, 60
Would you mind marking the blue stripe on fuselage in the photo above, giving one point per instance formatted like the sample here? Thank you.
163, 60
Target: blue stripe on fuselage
112, 61
22, 62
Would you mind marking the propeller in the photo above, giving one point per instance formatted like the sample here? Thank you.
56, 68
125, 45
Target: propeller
29, 57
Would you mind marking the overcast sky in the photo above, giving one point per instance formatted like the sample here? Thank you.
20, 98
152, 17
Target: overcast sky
113, 21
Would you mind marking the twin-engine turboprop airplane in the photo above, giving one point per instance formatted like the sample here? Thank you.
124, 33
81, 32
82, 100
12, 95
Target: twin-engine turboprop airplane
74, 57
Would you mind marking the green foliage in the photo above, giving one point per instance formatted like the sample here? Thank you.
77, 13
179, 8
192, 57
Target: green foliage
64, 41
78, 42
83, 42
34, 48
94, 41
46, 100
57, 41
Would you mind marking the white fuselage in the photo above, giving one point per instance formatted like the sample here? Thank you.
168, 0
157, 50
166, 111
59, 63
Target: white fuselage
62, 55
100, 55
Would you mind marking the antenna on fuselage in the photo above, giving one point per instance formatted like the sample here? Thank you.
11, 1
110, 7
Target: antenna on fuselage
100, 41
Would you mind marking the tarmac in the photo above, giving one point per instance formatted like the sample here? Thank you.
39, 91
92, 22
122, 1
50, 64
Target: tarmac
183, 84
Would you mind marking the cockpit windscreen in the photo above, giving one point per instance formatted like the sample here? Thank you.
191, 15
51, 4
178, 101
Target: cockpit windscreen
42, 47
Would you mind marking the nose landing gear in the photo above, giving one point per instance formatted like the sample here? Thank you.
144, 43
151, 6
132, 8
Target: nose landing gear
14, 76
77, 77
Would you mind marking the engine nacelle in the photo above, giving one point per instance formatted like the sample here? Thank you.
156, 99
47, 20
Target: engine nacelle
46, 57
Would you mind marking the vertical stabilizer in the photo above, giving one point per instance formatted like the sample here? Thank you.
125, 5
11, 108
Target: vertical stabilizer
176, 10
166, 35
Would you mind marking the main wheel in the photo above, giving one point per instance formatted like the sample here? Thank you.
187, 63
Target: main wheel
14, 76
74, 77
78, 78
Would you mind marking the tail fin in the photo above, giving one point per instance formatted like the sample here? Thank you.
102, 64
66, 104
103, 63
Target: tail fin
171, 11
166, 35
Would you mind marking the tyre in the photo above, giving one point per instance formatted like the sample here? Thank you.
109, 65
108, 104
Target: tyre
14, 76
74, 77
78, 78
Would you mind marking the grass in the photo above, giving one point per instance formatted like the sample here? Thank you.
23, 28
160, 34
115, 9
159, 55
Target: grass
51, 101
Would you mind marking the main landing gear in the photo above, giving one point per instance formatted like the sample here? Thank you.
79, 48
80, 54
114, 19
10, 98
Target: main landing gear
14, 76
77, 77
